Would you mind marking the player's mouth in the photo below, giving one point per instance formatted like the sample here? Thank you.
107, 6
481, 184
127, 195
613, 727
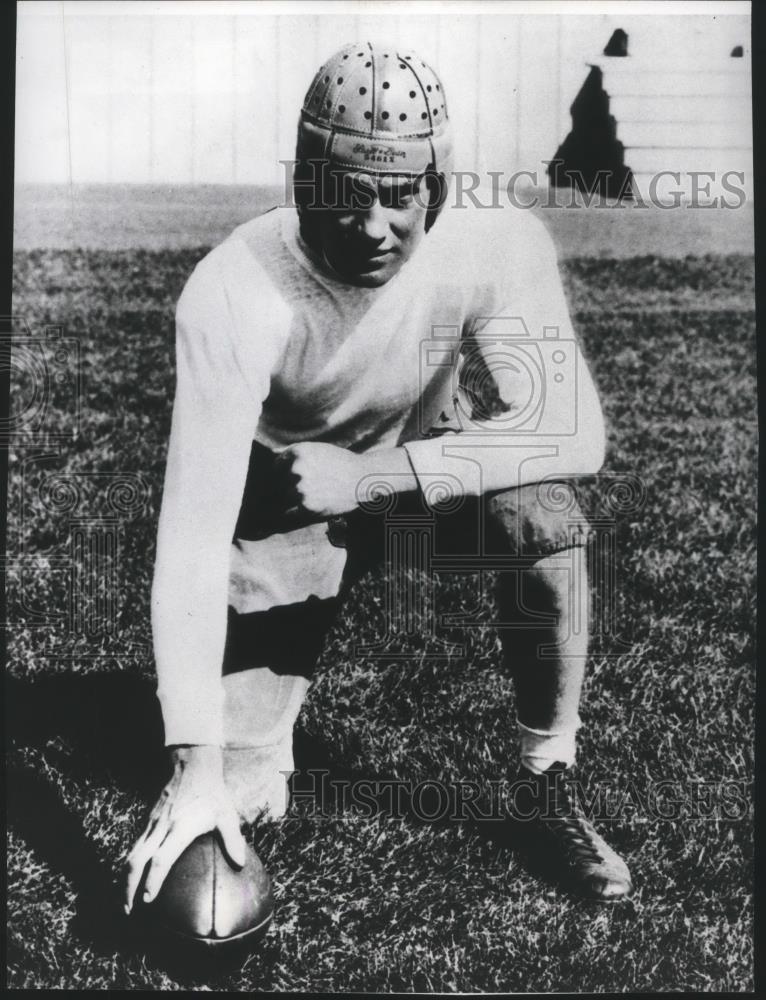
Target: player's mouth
371, 262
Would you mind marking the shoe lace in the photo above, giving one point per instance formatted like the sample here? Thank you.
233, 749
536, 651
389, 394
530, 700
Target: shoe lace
568, 823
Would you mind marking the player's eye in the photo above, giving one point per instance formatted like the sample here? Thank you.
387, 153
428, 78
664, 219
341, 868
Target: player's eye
400, 196
351, 194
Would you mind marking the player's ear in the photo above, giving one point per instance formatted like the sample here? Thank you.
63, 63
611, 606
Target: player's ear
312, 189
436, 187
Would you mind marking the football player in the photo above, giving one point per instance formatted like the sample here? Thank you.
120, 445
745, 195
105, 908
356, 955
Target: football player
370, 339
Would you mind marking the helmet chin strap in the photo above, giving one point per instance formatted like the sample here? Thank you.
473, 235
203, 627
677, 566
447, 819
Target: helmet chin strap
329, 265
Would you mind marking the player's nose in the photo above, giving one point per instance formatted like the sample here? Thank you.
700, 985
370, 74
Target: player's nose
374, 223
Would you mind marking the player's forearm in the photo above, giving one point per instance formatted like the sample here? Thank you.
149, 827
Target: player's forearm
466, 463
472, 464
388, 468
189, 633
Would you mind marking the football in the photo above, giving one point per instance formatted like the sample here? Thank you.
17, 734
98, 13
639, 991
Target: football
206, 901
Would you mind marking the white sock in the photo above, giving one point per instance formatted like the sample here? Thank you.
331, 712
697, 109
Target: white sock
260, 709
542, 747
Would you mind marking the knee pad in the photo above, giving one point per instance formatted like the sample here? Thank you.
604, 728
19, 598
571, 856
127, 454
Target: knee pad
536, 520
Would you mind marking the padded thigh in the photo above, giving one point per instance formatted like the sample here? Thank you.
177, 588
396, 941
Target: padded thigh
536, 520
529, 522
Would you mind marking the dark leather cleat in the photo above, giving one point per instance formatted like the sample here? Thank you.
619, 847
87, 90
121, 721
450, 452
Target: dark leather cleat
565, 846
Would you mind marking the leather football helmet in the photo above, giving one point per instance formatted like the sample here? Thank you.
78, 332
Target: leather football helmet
378, 110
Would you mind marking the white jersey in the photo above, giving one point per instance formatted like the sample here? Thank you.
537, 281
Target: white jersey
273, 346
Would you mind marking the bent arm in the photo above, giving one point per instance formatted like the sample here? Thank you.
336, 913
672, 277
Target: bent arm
502, 452
484, 457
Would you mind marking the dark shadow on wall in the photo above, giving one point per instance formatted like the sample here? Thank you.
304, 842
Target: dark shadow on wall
592, 159
617, 44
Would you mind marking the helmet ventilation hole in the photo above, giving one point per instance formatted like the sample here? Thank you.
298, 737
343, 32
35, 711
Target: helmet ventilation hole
407, 110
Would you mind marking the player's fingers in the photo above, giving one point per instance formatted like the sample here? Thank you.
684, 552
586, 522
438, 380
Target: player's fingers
154, 833
134, 869
284, 462
288, 476
178, 839
233, 841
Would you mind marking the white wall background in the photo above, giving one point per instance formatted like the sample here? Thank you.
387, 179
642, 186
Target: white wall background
151, 94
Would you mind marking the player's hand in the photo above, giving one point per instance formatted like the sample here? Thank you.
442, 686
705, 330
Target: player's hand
323, 477
194, 801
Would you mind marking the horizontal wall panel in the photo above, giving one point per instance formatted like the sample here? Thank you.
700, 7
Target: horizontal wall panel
719, 160
678, 134
167, 95
681, 108
650, 82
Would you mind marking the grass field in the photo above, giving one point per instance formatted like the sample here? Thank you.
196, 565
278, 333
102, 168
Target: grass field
381, 904
163, 216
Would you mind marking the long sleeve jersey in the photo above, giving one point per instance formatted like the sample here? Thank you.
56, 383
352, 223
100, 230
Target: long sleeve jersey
272, 346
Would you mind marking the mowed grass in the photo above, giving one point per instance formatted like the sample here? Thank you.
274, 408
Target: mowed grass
380, 903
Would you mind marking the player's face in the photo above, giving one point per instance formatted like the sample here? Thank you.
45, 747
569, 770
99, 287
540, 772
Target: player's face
373, 227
